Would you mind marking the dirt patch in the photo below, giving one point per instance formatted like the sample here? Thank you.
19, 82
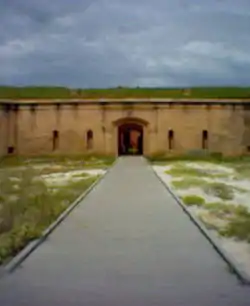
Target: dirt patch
62, 178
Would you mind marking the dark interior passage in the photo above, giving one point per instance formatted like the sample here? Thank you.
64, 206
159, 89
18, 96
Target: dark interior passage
130, 139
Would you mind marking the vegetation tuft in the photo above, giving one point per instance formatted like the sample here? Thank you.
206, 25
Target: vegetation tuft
189, 182
186, 171
239, 225
193, 200
220, 190
220, 209
183, 170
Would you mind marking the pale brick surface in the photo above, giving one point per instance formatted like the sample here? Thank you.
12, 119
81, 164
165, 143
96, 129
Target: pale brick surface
31, 132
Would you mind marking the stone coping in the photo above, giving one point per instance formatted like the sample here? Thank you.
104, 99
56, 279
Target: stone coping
123, 101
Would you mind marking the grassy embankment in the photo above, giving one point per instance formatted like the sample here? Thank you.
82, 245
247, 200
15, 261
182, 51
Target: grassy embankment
35, 92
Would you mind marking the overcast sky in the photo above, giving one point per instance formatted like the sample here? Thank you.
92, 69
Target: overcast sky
107, 43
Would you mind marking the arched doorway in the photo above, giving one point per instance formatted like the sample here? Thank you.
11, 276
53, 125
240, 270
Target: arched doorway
130, 139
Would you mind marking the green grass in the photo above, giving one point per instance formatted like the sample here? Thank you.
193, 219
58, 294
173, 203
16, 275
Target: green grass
28, 206
189, 182
239, 226
43, 92
236, 217
220, 208
51, 170
193, 200
223, 210
81, 175
242, 170
182, 170
212, 157
220, 190
85, 161
209, 224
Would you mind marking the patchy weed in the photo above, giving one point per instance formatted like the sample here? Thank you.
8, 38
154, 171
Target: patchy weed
28, 206
193, 200
188, 183
220, 190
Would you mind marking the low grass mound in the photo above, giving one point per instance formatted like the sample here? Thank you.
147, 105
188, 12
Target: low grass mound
242, 170
239, 226
220, 209
81, 175
199, 168
210, 222
186, 171
228, 220
226, 211
193, 200
220, 190
189, 182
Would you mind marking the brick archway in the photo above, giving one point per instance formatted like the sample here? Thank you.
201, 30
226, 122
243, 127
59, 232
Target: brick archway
130, 136
130, 139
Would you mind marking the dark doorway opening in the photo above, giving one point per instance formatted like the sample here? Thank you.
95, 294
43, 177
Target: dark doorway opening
130, 139
170, 139
55, 140
204, 139
90, 137
11, 150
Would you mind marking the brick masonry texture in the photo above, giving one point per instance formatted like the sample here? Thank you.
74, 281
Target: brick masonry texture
29, 127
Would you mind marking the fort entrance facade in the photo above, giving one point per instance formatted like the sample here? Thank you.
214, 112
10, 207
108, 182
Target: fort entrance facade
124, 127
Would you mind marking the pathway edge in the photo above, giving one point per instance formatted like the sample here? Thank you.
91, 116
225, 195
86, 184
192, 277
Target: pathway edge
33, 245
230, 261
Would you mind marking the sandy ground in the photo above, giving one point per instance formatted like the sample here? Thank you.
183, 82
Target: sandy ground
240, 250
63, 178
60, 177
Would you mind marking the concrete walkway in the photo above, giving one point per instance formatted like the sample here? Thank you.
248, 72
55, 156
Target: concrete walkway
127, 244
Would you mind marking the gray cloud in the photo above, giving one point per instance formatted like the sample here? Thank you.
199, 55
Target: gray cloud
104, 43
